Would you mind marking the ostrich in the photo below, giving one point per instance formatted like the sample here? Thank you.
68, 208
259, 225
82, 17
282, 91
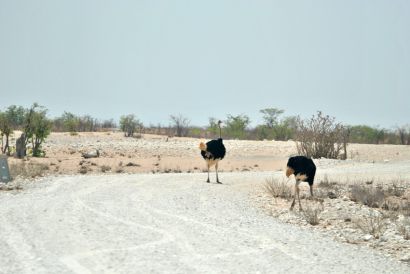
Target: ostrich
213, 151
304, 170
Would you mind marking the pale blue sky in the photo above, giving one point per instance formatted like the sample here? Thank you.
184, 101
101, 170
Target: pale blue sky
348, 58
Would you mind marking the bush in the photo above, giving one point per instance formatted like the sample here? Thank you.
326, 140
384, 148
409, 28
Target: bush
366, 135
236, 126
213, 127
263, 132
286, 129
370, 196
5, 131
404, 228
311, 212
271, 115
105, 168
180, 124
327, 189
83, 170
36, 128
321, 136
404, 134
28, 170
373, 224
129, 125
397, 189
405, 208
278, 188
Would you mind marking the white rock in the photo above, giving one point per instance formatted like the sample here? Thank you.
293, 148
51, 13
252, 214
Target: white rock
367, 237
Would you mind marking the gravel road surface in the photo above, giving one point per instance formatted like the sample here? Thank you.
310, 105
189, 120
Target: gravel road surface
163, 223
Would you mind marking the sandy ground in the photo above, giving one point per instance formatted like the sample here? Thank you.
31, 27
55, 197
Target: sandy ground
163, 223
153, 154
106, 222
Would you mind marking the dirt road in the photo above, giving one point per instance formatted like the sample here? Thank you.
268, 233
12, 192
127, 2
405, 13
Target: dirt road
173, 223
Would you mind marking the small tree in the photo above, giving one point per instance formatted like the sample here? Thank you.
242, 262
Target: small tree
263, 132
108, 124
129, 124
5, 131
70, 122
180, 124
213, 126
320, 136
286, 129
87, 123
16, 116
36, 128
11, 119
271, 115
367, 135
404, 134
236, 125
275, 129
380, 135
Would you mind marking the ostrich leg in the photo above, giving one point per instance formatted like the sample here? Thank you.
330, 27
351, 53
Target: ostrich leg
216, 169
207, 164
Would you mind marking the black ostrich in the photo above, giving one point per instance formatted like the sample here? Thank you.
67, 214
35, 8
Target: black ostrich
304, 170
213, 151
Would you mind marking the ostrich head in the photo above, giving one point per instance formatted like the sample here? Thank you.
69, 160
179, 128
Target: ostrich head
289, 171
202, 146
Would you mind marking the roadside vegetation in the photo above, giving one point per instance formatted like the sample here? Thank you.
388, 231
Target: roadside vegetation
23, 132
314, 135
373, 212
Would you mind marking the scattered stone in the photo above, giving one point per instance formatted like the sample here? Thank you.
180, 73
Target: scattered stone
331, 195
367, 237
132, 164
91, 154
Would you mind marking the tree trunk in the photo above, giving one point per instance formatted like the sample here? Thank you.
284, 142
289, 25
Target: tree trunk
36, 147
6, 145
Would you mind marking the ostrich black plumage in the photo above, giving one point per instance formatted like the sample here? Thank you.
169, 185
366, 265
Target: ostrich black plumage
304, 170
213, 151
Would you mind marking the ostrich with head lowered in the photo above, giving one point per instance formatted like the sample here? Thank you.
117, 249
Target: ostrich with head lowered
304, 170
213, 151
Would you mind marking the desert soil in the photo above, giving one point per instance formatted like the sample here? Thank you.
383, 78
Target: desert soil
153, 153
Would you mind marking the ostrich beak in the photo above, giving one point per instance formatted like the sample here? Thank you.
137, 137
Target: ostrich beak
289, 171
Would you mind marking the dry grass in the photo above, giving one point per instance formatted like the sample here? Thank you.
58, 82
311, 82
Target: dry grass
403, 227
278, 188
28, 170
397, 188
368, 195
327, 188
83, 170
405, 208
373, 224
105, 168
311, 212
7, 187
327, 183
